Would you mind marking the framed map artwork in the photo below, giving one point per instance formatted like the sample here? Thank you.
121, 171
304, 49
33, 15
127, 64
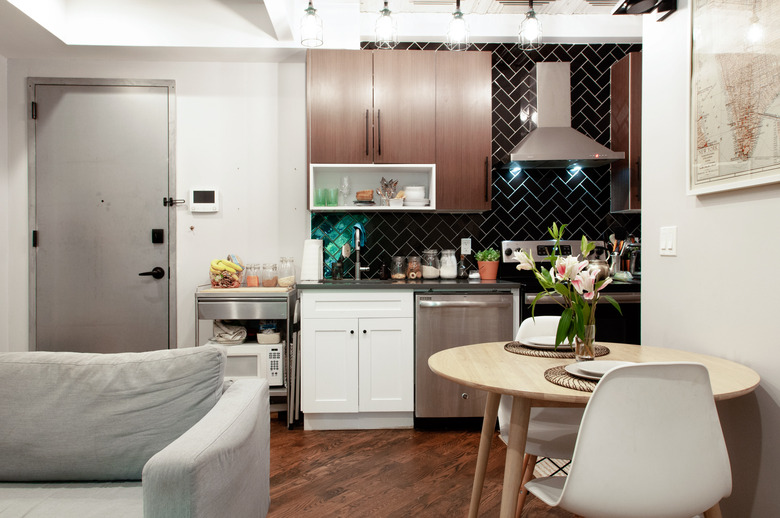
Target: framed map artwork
735, 94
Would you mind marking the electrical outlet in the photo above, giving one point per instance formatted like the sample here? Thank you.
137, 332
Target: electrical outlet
465, 246
668, 241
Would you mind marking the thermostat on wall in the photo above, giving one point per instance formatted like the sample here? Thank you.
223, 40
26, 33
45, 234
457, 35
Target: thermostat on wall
204, 200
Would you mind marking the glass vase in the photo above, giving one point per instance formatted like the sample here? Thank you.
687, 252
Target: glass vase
585, 347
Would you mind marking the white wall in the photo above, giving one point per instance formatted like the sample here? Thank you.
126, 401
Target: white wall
240, 127
719, 294
4, 203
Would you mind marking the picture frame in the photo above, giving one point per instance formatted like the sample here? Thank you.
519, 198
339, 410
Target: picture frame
734, 97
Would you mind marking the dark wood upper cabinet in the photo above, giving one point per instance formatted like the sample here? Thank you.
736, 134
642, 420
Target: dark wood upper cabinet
404, 107
626, 133
340, 103
371, 107
463, 131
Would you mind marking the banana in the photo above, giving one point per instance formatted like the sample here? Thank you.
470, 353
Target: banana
227, 268
216, 264
231, 265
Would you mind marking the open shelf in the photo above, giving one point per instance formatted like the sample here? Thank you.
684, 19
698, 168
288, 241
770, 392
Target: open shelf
368, 176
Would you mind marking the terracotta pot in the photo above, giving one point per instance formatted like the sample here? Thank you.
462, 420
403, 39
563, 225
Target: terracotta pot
488, 270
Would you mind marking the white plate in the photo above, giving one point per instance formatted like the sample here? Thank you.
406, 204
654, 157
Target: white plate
600, 367
416, 203
574, 370
544, 342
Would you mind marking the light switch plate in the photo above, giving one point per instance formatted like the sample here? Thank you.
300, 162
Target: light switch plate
668, 241
465, 246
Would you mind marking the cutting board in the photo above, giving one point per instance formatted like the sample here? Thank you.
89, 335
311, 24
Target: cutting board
275, 289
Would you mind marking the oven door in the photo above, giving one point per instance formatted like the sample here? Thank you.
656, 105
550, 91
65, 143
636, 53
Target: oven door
611, 325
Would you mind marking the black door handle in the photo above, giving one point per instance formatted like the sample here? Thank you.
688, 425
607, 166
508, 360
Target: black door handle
157, 273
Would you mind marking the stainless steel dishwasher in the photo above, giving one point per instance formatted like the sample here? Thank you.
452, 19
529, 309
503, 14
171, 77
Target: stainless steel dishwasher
450, 320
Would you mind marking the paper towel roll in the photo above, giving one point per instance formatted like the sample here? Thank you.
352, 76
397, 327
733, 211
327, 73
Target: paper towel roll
311, 269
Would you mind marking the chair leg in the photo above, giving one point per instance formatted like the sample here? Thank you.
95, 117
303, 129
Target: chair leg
529, 463
713, 512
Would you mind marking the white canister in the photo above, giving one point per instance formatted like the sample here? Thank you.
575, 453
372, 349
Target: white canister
448, 265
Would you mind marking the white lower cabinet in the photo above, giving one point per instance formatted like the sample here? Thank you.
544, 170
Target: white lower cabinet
357, 372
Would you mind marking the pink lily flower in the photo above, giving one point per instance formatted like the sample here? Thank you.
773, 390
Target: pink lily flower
584, 284
526, 260
567, 268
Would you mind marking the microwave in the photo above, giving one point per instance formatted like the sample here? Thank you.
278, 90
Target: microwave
256, 361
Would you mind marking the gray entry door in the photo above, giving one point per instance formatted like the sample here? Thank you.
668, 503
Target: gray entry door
101, 165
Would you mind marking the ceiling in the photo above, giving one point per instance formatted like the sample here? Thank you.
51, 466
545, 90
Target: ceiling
267, 30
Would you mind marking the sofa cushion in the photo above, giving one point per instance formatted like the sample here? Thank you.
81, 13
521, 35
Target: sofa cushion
72, 500
82, 416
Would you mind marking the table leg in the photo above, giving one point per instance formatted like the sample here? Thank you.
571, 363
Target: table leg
513, 470
485, 440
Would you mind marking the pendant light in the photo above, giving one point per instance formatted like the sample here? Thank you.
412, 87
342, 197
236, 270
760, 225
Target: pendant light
458, 32
530, 35
385, 30
311, 28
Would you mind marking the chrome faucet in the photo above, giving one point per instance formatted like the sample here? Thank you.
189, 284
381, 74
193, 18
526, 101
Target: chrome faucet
359, 237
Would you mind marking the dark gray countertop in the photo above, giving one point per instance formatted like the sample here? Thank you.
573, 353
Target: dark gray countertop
421, 285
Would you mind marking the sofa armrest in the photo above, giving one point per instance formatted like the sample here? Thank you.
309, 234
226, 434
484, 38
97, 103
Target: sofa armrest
220, 466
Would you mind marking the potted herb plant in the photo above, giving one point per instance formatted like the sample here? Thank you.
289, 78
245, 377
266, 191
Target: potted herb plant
487, 261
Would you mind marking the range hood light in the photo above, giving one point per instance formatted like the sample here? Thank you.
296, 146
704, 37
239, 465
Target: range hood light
514, 169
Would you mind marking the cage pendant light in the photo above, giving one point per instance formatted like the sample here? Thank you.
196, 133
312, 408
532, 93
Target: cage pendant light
311, 27
386, 30
530, 34
458, 31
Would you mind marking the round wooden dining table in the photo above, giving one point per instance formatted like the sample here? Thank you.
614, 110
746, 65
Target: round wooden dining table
488, 366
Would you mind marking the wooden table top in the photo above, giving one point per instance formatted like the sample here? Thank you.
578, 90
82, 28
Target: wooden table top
489, 367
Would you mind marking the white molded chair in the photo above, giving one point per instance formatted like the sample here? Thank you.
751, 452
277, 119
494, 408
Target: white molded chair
650, 444
552, 431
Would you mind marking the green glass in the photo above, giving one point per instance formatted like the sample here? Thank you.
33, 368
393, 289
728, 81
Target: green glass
320, 198
333, 197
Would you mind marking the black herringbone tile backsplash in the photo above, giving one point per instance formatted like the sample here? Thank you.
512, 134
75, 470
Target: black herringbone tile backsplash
523, 205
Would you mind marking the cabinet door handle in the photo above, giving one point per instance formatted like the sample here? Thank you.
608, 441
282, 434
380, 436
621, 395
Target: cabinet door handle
379, 131
367, 130
352, 331
364, 331
487, 178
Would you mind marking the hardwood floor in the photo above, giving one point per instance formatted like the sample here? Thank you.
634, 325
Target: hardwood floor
384, 473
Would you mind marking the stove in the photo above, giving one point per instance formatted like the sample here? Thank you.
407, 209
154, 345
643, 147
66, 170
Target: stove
611, 326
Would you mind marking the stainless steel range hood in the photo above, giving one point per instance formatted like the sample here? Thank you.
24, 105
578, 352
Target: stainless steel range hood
554, 143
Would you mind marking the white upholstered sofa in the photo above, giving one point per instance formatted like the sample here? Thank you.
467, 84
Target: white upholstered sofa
156, 434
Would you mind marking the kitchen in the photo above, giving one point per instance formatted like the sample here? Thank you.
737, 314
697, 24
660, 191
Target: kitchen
260, 162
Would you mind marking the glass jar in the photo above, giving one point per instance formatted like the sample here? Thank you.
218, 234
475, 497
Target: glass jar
413, 268
463, 271
430, 264
398, 268
253, 275
287, 272
449, 265
269, 275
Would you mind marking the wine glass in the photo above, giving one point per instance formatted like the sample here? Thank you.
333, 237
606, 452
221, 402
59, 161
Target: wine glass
344, 188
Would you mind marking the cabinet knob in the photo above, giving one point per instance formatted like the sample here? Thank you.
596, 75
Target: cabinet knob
464, 396
352, 331
364, 331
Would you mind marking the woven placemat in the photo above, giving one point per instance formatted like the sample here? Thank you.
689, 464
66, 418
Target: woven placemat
518, 348
559, 376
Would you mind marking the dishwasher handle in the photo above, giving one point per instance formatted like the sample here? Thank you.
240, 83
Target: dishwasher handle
463, 304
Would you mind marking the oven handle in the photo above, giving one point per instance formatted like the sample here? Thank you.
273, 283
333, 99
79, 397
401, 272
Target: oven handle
462, 304
620, 298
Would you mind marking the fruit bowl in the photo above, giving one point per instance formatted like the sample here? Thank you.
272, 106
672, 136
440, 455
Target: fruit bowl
227, 273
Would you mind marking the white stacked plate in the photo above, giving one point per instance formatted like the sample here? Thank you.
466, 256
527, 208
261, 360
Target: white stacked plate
593, 370
416, 203
544, 342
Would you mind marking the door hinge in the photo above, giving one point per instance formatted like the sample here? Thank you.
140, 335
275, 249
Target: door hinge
35, 238
171, 202
34, 110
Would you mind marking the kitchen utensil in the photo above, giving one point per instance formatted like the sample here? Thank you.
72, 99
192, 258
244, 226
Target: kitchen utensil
346, 250
601, 267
